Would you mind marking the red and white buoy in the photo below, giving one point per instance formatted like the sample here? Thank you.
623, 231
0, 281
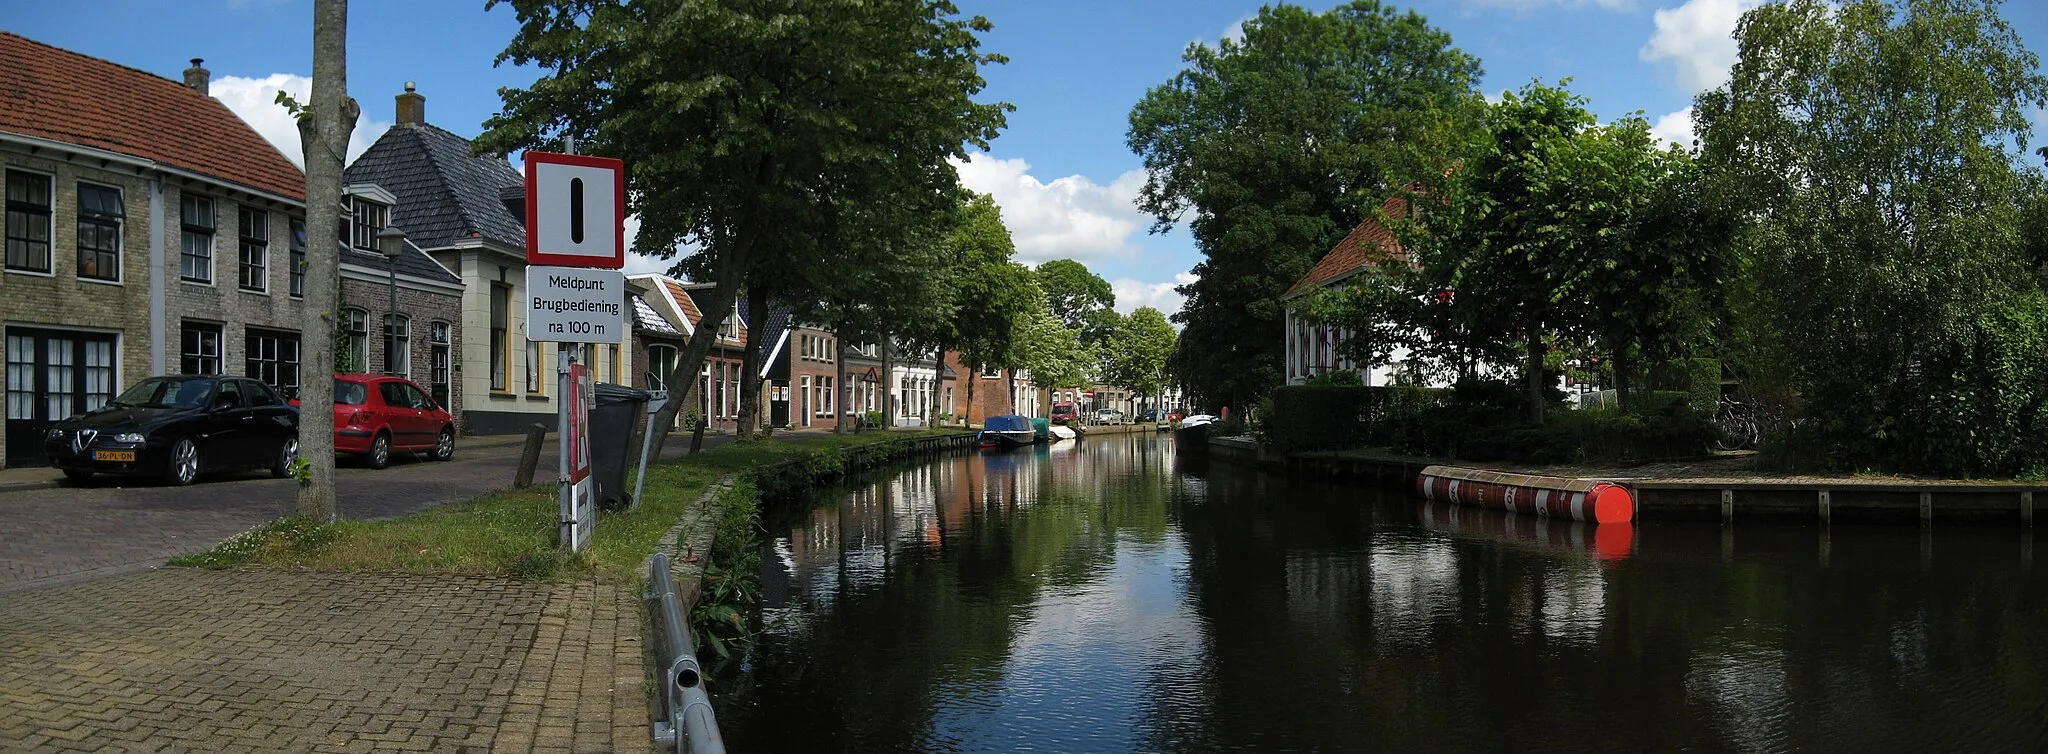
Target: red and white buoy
1554, 497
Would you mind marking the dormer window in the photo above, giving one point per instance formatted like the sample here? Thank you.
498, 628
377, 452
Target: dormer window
368, 217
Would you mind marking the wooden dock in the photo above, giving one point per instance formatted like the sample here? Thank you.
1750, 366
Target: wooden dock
1723, 489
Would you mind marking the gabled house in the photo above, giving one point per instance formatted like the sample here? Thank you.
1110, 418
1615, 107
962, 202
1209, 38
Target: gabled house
771, 326
465, 212
1312, 346
808, 363
715, 393
148, 230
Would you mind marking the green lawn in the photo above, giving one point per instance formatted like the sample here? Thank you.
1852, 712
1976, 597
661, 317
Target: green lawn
512, 533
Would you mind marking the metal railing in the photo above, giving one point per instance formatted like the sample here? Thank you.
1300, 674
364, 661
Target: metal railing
687, 724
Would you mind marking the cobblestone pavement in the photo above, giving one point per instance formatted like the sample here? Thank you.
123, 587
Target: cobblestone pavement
71, 534
184, 660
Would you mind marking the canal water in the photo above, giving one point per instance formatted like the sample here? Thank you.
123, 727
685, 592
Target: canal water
1106, 596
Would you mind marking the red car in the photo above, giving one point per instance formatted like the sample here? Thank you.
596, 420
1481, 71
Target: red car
376, 415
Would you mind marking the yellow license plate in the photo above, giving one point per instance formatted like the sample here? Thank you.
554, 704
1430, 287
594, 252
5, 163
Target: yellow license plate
114, 455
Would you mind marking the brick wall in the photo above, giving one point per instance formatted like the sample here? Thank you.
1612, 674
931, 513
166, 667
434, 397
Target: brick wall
425, 308
815, 362
61, 299
223, 302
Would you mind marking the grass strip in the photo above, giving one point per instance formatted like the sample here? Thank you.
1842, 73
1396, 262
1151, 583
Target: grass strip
511, 533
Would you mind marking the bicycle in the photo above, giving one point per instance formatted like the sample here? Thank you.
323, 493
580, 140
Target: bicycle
1736, 426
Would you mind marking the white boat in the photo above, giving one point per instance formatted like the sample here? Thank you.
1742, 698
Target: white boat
1063, 432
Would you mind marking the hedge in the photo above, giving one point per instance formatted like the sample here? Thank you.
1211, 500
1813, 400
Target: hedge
1481, 421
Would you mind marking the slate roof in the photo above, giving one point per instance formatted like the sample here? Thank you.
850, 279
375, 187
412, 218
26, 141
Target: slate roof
1365, 246
649, 321
52, 93
413, 262
445, 196
772, 328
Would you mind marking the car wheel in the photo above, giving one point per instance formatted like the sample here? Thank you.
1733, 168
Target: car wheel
184, 462
380, 452
80, 476
281, 467
444, 448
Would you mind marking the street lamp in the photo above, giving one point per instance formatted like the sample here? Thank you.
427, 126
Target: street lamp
391, 241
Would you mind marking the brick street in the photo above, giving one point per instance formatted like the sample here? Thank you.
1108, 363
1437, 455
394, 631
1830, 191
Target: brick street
183, 660
109, 527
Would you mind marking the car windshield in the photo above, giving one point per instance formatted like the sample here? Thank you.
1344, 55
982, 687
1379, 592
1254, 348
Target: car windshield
350, 393
168, 392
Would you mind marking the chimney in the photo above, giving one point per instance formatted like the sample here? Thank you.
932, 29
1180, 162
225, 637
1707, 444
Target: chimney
412, 107
196, 76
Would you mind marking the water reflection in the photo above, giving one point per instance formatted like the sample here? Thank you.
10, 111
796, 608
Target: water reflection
1107, 596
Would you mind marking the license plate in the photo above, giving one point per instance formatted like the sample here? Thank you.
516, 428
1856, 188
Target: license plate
114, 455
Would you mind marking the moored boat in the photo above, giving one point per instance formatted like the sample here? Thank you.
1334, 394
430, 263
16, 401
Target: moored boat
1192, 436
1007, 431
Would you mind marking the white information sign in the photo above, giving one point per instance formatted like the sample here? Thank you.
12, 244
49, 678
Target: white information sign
575, 305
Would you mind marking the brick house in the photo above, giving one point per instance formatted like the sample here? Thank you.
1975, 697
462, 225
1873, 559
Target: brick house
992, 396
125, 190
466, 213
715, 394
809, 357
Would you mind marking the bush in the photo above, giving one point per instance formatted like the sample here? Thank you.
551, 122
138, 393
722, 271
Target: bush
1335, 378
1319, 417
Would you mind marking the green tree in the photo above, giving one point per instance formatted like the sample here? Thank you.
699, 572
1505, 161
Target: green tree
1874, 149
750, 127
991, 292
1074, 294
1274, 144
1138, 352
1052, 352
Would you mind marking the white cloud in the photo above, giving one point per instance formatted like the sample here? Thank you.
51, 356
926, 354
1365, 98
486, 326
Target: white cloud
1131, 294
1067, 218
255, 100
1235, 31
1697, 40
1675, 128
1527, 5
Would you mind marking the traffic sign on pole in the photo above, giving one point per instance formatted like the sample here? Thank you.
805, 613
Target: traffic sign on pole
575, 210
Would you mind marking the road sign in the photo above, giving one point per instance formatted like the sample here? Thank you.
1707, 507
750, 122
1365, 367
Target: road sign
575, 305
579, 512
575, 210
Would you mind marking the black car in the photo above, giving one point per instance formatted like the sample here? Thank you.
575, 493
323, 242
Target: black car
1148, 416
177, 428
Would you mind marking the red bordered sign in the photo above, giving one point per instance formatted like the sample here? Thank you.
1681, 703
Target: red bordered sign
575, 210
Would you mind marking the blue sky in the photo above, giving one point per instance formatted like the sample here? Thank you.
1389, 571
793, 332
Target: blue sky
1061, 170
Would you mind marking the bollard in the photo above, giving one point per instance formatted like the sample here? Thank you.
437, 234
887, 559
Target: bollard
697, 437
1826, 512
529, 457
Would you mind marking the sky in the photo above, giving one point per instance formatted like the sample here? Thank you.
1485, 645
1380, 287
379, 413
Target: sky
1061, 170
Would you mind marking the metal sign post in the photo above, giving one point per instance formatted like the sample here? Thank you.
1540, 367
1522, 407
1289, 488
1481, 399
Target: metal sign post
575, 222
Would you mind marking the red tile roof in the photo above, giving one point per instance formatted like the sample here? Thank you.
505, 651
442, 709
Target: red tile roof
682, 299
1367, 245
52, 93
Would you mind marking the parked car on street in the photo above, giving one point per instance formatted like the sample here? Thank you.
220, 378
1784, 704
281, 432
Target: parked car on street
376, 415
1064, 412
177, 428
1148, 416
1109, 416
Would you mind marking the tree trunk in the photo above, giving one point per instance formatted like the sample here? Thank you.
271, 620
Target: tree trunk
1535, 369
938, 387
888, 384
840, 394
323, 132
973, 377
752, 420
735, 252
1621, 377
1010, 381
